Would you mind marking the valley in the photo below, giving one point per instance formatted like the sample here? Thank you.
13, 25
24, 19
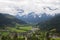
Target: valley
13, 28
29, 19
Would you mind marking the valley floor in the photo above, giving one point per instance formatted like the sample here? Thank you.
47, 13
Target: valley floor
23, 33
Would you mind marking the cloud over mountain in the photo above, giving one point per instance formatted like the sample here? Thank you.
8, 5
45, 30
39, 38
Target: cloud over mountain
38, 6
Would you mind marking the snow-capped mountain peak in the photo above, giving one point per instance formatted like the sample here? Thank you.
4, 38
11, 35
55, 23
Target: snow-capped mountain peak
32, 17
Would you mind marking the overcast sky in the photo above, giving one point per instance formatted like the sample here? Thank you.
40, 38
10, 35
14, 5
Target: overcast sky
38, 6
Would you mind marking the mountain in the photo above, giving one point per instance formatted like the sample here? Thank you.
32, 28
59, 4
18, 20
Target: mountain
53, 23
9, 20
34, 18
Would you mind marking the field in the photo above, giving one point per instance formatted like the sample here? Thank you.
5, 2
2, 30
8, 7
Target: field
18, 29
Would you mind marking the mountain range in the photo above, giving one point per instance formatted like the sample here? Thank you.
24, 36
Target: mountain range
33, 18
30, 18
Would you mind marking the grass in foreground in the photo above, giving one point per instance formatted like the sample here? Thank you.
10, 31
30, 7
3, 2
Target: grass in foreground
55, 38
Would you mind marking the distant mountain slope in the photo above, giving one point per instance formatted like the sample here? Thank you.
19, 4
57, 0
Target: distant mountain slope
34, 18
9, 20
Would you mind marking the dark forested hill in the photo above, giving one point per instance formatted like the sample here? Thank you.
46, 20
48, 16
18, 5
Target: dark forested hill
53, 23
9, 20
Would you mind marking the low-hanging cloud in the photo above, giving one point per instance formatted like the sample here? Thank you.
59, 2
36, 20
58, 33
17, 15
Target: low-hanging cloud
37, 6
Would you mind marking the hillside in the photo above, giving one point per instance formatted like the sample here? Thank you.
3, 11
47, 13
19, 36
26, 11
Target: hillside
9, 20
53, 23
